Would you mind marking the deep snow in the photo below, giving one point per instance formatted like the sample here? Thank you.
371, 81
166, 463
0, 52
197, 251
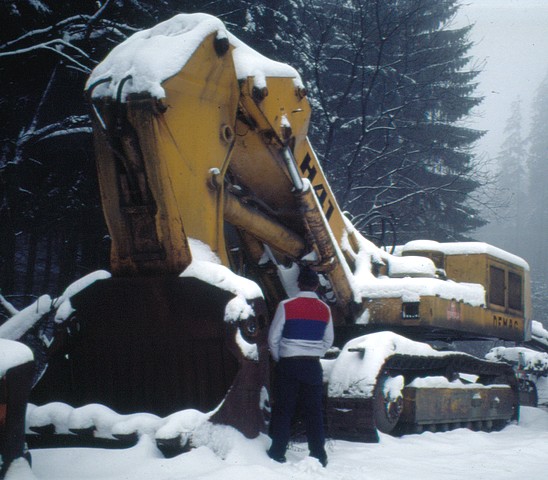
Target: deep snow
518, 451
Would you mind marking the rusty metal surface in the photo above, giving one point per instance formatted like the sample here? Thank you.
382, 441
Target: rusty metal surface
490, 404
351, 419
452, 405
156, 345
15, 387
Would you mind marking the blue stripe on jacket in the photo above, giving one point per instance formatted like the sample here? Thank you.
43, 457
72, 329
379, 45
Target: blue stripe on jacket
304, 329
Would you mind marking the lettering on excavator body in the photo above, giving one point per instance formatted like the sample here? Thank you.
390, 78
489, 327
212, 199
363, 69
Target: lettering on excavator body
322, 194
501, 321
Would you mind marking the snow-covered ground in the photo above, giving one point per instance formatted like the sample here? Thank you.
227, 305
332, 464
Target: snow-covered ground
518, 451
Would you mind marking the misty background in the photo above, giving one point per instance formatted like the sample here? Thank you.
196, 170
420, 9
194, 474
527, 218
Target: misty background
511, 41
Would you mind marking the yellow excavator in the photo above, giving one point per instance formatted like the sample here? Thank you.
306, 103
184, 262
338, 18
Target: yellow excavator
213, 197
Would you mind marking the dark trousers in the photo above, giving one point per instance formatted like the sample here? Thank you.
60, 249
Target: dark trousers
298, 381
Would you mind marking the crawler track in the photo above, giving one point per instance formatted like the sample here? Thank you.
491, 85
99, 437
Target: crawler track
487, 405
413, 366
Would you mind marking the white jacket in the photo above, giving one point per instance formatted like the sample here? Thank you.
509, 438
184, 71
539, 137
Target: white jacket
302, 326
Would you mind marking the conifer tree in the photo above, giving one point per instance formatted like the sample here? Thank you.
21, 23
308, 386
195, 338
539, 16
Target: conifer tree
391, 85
538, 200
513, 184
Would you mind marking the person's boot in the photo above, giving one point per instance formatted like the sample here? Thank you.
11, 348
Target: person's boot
321, 456
276, 457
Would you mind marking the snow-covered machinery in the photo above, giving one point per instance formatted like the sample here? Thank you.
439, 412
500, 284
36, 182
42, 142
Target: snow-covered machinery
530, 363
16, 371
213, 197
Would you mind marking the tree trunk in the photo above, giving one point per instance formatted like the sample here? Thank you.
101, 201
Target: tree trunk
47, 264
67, 259
31, 263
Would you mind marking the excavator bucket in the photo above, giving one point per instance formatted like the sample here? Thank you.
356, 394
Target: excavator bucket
160, 345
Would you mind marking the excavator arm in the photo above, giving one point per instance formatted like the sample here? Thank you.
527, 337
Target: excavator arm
216, 149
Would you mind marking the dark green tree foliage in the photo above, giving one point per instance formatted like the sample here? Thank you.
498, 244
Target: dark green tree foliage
391, 87
49, 204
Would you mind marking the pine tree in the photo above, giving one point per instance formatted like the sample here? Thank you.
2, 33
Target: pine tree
538, 200
538, 161
390, 85
512, 162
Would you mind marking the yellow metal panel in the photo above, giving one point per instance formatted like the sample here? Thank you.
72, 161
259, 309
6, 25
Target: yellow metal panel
310, 168
259, 169
449, 405
493, 320
281, 107
262, 132
436, 312
386, 311
257, 161
156, 170
467, 268
195, 136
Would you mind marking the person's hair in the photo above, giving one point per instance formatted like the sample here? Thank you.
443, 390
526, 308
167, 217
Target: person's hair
308, 278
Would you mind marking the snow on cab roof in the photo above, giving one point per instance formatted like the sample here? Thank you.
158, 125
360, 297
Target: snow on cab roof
464, 248
152, 56
411, 287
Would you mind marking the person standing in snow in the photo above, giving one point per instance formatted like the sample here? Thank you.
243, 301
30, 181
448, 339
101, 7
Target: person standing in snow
301, 332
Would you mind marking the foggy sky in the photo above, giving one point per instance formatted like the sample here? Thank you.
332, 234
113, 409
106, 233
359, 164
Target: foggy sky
512, 37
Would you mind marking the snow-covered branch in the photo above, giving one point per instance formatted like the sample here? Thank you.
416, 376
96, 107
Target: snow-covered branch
8, 306
69, 29
73, 124
55, 46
